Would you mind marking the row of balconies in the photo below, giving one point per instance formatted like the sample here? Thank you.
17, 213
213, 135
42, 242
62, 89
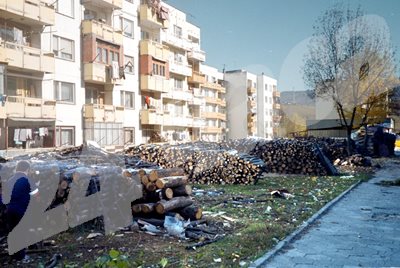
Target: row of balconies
216, 101
112, 4
35, 12
25, 57
103, 31
23, 107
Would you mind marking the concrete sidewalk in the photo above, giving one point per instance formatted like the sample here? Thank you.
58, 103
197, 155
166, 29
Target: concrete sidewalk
361, 229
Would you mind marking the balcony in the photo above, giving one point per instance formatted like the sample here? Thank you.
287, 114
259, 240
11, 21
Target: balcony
197, 54
215, 86
110, 4
180, 68
216, 130
103, 31
178, 95
251, 103
197, 78
154, 83
95, 73
251, 90
277, 106
23, 107
151, 117
177, 41
198, 122
155, 49
25, 57
103, 113
196, 101
276, 94
214, 115
149, 18
177, 121
30, 12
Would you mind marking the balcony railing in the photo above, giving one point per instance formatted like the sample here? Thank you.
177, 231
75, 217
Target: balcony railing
151, 117
196, 54
178, 95
103, 113
102, 30
114, 4
148, 17
251, 103
24, 107
214, 115
177, 41
95, 72
25, 57
216, 130
180, 68
154, 83
215, 86
196, 101
277, 106
276, 94
197, 78
178, 121
251, 90
155, 49
33, 11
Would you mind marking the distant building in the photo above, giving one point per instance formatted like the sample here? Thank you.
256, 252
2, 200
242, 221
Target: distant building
252, 105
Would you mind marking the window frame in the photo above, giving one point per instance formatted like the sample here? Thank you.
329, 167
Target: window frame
59, 130
122, 22
129, 68
58, 51
123, 100
64, 14
58, 92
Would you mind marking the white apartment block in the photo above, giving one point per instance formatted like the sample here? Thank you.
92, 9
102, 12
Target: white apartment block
253, 107
265, 106
213, 110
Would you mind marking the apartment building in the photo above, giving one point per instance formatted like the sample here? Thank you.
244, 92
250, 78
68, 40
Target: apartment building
170, 78
27, 71
241, 98
213, 111
253, 105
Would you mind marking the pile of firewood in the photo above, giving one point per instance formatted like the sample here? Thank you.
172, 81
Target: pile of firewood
333, 148
290, 157
164, 190
203, 163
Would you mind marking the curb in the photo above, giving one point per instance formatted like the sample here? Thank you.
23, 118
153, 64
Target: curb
305, 225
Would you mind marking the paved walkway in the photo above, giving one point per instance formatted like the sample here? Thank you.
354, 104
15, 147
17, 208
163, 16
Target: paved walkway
362, 229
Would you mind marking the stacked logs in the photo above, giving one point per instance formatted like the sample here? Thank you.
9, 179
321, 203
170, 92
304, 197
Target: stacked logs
202, 164
290, 157
165, 190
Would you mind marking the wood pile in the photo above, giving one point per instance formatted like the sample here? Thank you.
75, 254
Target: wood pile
164, 191
203, 163
356, 160
333, 148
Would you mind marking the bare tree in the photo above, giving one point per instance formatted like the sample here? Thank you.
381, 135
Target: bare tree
350, 60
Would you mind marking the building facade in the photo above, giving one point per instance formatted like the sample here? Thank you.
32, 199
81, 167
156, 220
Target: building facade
253, 105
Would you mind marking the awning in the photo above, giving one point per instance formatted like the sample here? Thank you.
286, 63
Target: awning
30, 122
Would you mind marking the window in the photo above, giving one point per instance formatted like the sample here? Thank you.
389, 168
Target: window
65, 7
106, 53
129, 135
178, 110
64, 92
129, 64
178, 57
63, 48
178, 84
93, 96
128, 99
158, 69
65, 136
177, 31
127, 27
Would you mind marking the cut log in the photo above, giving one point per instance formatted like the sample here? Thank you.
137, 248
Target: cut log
137, 208
183, 190
164, 206
148, 207
170, 182
191, 212
162, 173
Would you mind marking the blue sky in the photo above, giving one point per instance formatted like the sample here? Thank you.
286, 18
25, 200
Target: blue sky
269, 35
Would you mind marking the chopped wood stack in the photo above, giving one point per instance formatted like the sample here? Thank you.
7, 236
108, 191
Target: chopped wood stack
202, 164
165, 190
357, 160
